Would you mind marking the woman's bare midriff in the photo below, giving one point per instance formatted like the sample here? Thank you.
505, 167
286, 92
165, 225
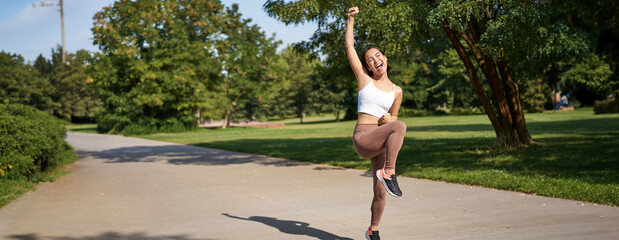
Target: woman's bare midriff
364, 118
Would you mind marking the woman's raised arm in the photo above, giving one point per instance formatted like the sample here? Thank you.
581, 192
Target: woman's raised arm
353, 58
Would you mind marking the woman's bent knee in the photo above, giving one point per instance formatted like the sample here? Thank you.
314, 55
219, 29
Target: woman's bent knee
399, 126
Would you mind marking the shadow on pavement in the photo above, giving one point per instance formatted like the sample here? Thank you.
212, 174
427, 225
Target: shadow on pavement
107, 236
184, 155
292, 227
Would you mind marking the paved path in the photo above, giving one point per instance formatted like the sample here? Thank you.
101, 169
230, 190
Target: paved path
128, 188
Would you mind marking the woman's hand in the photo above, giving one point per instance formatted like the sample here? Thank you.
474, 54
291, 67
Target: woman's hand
386, 118
352, 12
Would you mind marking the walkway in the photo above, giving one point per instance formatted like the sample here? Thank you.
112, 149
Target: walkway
130, 188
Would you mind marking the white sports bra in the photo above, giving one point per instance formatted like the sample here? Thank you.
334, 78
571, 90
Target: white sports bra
373, 101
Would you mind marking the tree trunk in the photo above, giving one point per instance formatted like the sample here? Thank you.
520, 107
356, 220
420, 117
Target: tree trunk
489, 69
509, 125
513, 95
226, 122
477, 87
301, 116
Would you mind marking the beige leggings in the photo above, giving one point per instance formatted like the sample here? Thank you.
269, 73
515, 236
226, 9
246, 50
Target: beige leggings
381, 144
370, 140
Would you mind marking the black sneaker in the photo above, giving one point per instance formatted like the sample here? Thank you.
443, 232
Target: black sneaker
372, 235
391, 185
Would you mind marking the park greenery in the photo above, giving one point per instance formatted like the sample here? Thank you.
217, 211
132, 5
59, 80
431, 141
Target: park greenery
574, 157
182, 63
504, 46
32, 149
168, 66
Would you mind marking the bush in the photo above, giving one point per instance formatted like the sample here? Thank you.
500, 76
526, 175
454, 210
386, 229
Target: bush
536, 98
111, 123
410, 112
138, 129
169, 126
173, 126
119, 124
465, 111
607, 106
31, 142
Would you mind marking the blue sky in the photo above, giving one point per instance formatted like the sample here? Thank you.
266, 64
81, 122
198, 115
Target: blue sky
30, 31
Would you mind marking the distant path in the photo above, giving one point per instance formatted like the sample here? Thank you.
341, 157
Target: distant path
130, 188
255, 124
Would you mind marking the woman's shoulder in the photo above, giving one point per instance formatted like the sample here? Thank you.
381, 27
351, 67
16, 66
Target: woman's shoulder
398, 89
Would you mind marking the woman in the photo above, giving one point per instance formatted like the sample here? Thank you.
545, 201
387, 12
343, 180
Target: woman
378, 135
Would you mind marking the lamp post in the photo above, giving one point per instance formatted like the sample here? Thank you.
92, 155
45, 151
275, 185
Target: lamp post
61, 5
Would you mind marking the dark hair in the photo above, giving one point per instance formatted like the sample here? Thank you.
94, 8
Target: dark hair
365, 64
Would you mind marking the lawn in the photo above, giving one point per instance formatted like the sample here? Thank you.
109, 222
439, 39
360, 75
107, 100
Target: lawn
82, 127
576, 154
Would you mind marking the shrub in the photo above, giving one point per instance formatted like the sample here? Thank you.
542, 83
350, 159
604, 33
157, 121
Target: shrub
111, 123
31, 142
536, 98
150, 126
607, 106
138, 129
410, 112
465, 111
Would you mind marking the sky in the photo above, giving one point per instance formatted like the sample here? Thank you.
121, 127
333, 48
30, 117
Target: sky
30, 30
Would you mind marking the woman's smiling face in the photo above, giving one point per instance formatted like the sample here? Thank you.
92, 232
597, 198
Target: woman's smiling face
376, 61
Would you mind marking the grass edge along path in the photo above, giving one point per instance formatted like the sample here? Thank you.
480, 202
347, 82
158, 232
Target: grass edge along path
575, 155
12, 189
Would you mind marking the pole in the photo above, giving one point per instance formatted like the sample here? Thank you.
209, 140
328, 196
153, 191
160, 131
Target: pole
64, 55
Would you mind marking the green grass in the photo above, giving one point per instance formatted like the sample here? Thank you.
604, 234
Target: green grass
576, 154
80, 127
11, 189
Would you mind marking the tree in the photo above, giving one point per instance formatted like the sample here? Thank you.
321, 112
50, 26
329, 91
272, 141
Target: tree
492, 37
292, 91
157, 61
73, 95
21, 83
455, 82
49, 85
589, 79
599, 20
245, 54
303, 78
43, 65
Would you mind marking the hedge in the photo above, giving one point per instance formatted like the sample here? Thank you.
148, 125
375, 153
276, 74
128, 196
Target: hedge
607, 106
31, 142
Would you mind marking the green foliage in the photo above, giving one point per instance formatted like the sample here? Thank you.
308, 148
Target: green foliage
590, 74
112, 123
599, 20
177, 63
607, 106
245, 54
401, 33
73, 95
22, 84
530, 36
51, 86
156, 62
536, 96
31, 142
294, 90
415, 79
454, 89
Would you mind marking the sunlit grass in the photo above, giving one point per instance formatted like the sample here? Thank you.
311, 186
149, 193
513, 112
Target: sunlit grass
575, 155
85, 128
